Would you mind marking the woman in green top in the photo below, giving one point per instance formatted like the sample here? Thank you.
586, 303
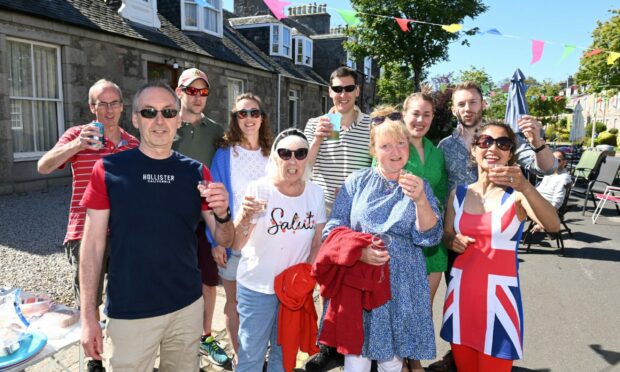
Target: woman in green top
426, 161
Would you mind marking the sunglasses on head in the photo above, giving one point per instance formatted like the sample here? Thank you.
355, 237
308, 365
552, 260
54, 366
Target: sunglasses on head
203, 92
242, 114
150, 113
502, 143
346, 88
286, 154
392, 116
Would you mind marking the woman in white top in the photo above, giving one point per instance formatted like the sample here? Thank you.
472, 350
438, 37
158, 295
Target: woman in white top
241, 159
279, 226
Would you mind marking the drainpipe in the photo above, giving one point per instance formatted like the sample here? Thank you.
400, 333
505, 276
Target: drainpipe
278, 103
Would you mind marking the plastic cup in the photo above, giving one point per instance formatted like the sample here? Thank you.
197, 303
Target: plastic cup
381, 241
335, 120
262, 197
100, 137
205, 184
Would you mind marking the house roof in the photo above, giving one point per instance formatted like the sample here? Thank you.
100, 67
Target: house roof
233, 47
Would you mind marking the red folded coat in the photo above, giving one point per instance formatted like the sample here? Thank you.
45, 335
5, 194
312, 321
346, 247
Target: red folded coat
297, 328
351, 285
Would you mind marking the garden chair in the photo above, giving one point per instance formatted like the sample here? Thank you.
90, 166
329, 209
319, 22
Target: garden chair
605, 177
610, 194
587, 167
559, 241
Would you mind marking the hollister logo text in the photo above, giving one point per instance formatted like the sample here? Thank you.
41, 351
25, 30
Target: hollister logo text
158, 178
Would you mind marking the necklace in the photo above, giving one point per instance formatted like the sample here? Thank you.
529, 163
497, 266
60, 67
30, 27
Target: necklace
484, 197
389, 185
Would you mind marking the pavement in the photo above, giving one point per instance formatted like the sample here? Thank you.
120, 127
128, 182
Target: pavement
571, 303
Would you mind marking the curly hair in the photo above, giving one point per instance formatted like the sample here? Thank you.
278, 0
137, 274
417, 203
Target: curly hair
234, 135
509, 133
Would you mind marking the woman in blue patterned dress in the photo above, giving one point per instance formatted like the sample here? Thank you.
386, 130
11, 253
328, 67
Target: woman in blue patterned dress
380, 200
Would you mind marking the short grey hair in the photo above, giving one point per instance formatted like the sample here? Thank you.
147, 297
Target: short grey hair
91, 91
160, 85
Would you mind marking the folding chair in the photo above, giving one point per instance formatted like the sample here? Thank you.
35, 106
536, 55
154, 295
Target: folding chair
559, 241
608, 195
588, 166
605, 177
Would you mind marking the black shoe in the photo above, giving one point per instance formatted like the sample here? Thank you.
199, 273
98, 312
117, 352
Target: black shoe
325, 360
95, 366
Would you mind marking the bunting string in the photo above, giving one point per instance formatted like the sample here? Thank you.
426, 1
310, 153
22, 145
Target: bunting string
351, 19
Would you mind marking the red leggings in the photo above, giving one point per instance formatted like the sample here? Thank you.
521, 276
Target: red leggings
471, 360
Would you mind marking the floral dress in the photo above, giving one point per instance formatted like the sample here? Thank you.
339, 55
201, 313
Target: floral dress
402, 327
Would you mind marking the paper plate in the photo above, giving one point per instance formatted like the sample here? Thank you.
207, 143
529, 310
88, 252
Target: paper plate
28, 347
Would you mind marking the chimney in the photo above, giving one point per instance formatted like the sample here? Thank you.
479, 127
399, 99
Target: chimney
314, 17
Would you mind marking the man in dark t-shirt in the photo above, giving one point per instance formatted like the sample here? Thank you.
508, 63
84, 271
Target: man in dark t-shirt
149, 200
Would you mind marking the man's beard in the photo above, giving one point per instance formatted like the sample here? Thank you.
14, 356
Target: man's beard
477, 121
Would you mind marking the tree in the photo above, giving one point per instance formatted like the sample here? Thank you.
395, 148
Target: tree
479, 76
395, 84
418, 49
549, 106
594, 72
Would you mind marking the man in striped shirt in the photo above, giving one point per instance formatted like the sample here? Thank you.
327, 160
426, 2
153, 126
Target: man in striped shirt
335, 159
78, 147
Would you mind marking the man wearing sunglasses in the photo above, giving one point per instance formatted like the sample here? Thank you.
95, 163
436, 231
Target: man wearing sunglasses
197, 138
150, 201
335, 159
79, 147
533, 155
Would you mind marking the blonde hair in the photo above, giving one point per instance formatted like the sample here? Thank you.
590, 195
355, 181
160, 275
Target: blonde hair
383, 110
389, 128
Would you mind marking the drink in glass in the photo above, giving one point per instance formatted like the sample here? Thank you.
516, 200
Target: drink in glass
100, 137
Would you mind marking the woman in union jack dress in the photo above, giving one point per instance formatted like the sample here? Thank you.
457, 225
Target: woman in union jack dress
483, 316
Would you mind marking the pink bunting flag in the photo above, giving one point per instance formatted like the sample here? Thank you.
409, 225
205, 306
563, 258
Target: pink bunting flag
403, 23
537, 50
593, 53
277, 7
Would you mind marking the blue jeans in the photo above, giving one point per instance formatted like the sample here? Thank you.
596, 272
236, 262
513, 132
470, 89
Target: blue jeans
258, 326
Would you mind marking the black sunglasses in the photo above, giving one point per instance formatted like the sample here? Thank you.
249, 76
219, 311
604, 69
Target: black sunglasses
346, 88
502, 143
285, 154
242, 114
392, 116
196, 91
150, 113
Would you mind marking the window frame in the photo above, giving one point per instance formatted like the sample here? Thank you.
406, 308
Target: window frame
368, 69
201, 17
294, 98
280, 43
231, 96
34, 155
141, 11
351, 63
303, 41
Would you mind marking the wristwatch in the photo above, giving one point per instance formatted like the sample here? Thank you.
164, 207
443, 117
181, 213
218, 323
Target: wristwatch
542, 147
225, 219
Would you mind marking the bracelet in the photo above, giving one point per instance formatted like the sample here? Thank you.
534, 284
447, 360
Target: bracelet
542, 147
222, 220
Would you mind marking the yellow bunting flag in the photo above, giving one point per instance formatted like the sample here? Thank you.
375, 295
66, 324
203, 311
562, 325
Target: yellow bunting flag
452, 28
613, 56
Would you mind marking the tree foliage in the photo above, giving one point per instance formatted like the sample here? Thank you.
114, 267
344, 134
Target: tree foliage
551, 105
395, 84
594, 72
479, 76
421, 47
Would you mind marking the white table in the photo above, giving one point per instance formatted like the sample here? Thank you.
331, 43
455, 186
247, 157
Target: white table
54, 346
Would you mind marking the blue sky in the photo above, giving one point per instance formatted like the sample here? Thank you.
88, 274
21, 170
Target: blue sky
553, 21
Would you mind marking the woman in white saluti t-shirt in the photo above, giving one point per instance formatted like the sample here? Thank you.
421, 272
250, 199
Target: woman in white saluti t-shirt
279, 225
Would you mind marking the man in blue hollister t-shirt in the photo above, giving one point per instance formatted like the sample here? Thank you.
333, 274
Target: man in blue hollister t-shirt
149, 200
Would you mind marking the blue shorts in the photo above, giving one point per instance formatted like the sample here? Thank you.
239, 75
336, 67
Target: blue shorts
230, 271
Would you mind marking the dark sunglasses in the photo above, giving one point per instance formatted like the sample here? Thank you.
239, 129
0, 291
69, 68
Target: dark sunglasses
285, 154
392, 116
195, 91
502, 143
346, 88
150, 113
242, 114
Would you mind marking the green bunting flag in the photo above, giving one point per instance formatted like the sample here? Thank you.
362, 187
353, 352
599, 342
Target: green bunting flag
568, 49
349, 16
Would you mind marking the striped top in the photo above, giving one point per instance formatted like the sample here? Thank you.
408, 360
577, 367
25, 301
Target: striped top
82, 166
337, 159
